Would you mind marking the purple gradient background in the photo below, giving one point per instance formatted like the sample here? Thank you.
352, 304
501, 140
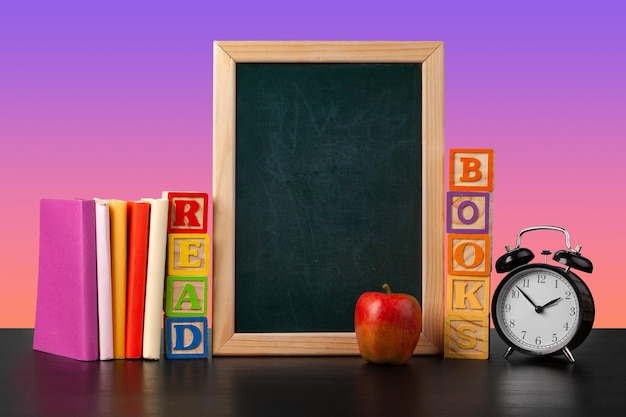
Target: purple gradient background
101, 98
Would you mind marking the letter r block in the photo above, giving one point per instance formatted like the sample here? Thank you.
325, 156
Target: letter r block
188, 254
186, 337
468, 296
188, 212
186, 296
468, 212
469, 255
466, 338
471, 170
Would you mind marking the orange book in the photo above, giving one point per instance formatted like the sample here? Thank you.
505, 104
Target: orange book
138, 227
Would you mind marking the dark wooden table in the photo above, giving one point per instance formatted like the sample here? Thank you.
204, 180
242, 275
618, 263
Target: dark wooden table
39, 384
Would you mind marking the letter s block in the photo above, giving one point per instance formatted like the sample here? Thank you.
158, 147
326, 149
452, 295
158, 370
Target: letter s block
466, 338
188, 254
186, 337
471, 170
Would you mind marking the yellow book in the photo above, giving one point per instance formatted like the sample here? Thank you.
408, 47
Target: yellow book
118, 220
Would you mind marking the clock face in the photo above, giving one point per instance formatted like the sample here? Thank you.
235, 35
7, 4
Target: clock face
537, 310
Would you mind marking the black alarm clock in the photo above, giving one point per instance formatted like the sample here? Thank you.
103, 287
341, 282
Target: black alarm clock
541, 309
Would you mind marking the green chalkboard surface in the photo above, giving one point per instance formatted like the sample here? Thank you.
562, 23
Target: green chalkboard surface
328, 191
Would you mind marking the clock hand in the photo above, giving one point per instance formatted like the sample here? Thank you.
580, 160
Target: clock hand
527, 297
549, 303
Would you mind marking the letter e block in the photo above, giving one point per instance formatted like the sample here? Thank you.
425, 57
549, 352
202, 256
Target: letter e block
188, 254
186, 296
188, 212
186, 337
468, 212
469, 255
466, 338
471, 170
468, 296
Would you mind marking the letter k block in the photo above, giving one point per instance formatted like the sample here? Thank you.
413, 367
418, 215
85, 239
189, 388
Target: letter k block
471, 170
468, 296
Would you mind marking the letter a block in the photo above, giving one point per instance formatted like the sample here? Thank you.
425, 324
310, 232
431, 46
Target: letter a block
188, 212
469, 255
468, 296
468, 212
186, 296
188, 254
186, 337
471, 170
467, 337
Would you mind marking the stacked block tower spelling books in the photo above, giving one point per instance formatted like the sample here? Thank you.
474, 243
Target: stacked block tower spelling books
469, 215
102, 277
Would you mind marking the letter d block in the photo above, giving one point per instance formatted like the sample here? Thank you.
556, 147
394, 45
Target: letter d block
188, 254
186, 337
471, 170
188, 212
186, 296
466, 338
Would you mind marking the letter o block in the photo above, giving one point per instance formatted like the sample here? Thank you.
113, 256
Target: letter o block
468, 212
469, 255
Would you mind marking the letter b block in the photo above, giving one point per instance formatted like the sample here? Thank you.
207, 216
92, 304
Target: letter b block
471, 170
186, 337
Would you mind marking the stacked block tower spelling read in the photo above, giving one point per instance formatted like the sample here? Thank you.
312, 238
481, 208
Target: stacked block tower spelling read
188, 272
468, 224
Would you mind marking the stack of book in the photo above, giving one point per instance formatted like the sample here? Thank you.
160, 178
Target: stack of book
102, 268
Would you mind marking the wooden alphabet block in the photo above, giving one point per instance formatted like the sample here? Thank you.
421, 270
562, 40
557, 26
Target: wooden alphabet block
469, 255
186, 296
466, 337
188, 212
468, 212
468, 296
471, 170
186, 337
188, 254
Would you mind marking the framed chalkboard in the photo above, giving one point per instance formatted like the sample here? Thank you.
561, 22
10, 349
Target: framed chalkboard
327, 182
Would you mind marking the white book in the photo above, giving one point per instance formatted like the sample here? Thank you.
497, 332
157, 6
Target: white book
155, 278
103, 261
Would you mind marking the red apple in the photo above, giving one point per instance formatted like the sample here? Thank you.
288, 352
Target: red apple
387, 326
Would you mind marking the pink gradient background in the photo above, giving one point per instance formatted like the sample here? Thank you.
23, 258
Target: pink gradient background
103, 99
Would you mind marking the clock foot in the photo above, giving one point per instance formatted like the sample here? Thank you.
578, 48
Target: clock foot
508, 352
568, 354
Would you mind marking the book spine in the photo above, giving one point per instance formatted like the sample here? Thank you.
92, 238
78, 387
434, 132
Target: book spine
103, 261
118, 213
138, 227
155, 279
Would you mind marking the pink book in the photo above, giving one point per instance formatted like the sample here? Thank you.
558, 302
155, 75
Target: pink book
66, 320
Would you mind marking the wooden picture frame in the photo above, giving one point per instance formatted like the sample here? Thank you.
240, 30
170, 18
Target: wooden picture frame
227, 54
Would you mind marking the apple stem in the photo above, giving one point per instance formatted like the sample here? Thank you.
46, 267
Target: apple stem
386, 288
